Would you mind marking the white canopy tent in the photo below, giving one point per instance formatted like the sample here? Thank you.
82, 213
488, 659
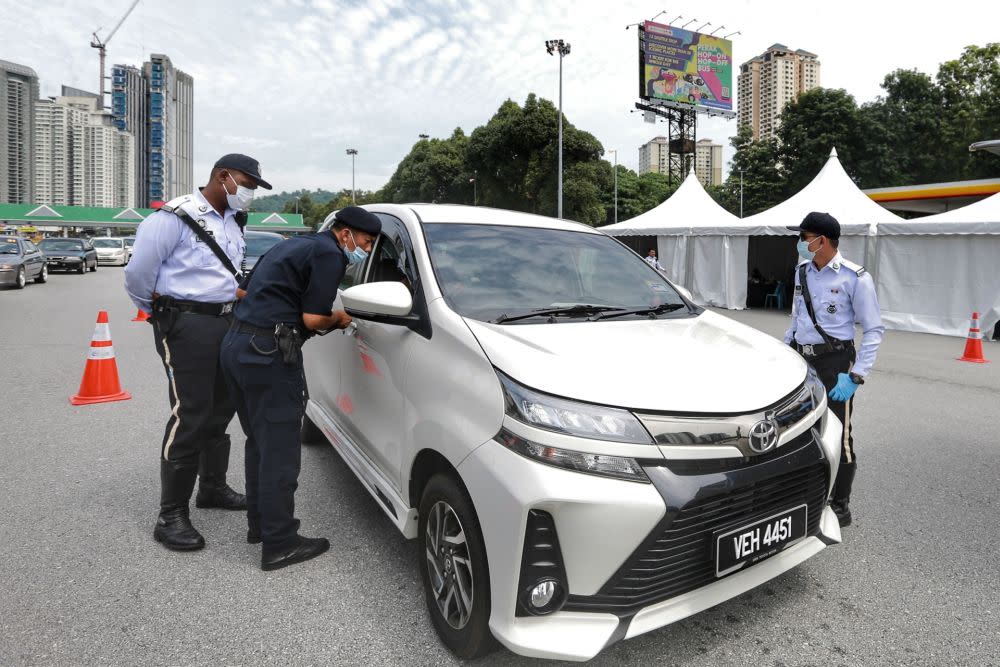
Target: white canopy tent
699, 244
934, 272
831, 191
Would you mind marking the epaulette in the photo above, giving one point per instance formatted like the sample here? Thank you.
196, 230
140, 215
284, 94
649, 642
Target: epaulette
857, 268
175, 203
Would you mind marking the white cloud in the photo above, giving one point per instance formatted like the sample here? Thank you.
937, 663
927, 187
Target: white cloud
297, 82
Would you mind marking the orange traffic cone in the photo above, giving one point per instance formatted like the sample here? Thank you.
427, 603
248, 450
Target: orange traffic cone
140, 316
100, 377
974, 344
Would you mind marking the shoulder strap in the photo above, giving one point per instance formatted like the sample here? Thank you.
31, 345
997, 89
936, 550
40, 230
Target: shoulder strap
809, 306
207, 239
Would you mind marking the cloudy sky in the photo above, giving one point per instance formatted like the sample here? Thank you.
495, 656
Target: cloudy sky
296, 82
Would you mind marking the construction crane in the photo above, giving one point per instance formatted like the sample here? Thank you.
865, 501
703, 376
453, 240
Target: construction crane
100, 46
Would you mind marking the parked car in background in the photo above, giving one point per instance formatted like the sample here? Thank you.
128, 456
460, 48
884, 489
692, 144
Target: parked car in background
69, 254
21, 261
258, 243
494, 397
111, 250
129, 242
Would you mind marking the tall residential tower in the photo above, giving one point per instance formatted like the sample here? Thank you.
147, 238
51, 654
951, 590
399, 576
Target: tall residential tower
770, 81
171, 129
130, 112
18, 92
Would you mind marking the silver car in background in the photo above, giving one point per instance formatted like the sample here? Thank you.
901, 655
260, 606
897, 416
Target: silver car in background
111, 250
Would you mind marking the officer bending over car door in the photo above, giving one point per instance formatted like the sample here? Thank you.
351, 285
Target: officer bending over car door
183, 272
287, 300
831, 294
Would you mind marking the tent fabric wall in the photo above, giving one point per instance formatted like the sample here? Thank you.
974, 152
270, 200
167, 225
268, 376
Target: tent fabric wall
718, 271
933, 284
672, 251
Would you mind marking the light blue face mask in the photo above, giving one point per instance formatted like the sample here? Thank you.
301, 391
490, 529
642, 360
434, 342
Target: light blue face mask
804, 252
357, 255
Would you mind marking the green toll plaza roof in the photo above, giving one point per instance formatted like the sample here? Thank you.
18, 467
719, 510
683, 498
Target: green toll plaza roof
87, 216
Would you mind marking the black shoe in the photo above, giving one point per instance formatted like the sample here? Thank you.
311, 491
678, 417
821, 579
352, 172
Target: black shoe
174, 530
842, 509
301, 550
220, 497
253, 536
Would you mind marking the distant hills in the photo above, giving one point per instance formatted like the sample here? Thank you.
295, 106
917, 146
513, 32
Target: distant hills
276, 203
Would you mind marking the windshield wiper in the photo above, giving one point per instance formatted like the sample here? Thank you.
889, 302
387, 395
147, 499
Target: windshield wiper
578, 309
651, 310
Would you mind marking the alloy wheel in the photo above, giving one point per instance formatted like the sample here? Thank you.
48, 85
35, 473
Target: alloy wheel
22, 278
449, 565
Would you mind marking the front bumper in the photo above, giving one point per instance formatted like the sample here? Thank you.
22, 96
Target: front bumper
65, 263
111, 259
603, 525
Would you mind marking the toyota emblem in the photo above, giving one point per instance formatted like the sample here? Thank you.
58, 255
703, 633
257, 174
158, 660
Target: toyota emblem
763, 436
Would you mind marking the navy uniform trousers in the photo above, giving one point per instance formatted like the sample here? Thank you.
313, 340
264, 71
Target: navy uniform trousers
270, 400
828, 367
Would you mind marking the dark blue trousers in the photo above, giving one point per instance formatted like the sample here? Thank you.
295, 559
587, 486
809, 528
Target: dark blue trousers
270, 400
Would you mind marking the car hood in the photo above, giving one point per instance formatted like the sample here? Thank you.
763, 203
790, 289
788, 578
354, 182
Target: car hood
13, 260
109, 251
703, 364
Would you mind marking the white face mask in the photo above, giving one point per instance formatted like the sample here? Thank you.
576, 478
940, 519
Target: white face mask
242, 199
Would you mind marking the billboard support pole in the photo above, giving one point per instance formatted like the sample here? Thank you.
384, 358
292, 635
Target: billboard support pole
559, 213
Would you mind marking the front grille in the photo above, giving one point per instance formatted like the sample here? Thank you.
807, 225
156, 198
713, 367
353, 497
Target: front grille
709, 466
678, 557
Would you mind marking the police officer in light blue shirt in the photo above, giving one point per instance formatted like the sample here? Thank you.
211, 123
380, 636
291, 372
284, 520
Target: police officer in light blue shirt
840, 294
183, 271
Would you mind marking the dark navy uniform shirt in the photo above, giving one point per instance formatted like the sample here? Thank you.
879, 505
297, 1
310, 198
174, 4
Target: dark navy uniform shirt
299, 275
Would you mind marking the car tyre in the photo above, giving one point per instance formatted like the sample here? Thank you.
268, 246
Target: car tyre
93, 268
454, 569
43, 275
83, 267
310, 434
22, 278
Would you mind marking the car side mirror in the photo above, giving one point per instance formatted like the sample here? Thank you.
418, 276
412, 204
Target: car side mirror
386, 302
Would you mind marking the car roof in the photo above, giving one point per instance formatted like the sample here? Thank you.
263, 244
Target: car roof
255, 232
481, 215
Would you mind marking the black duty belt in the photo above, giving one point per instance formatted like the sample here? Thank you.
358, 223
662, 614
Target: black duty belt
823, 349
239, 326
201, 308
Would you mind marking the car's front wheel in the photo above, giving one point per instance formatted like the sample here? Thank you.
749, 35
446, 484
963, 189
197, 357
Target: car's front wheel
93, 267
43, 275
22, 278
454, 569
83, 267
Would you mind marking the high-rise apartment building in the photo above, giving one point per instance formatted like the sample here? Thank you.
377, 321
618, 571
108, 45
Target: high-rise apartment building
653, 156
18, 92
130, 112
770, 81
81, 158
708, 162
171, 129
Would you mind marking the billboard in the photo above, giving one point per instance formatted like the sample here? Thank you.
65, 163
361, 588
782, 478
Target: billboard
685, 67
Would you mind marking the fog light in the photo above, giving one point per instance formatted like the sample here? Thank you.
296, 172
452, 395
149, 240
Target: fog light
542, 594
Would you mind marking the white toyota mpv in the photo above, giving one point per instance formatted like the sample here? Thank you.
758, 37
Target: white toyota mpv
583, 453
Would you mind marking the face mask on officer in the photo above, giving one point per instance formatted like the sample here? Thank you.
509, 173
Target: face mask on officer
803, 247
241, 199
356, 255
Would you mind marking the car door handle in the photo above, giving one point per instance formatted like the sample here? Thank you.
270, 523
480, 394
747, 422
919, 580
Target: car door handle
351, 329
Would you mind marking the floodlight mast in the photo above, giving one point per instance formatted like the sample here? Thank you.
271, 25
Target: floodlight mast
100, 46
554, 46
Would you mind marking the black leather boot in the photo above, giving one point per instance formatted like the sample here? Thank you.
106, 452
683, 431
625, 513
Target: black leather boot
173, 526
841, 498
213, 492
299, 550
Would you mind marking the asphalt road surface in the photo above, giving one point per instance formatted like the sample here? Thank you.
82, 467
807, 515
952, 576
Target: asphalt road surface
917, 581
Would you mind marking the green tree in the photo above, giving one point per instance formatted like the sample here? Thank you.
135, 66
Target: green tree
756, 167
970, 90
818, 121
434, 170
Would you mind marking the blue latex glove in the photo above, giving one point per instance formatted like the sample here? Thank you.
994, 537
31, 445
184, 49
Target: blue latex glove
845, 388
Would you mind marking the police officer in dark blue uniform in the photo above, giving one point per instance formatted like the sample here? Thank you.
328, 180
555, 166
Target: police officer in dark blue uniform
288, 297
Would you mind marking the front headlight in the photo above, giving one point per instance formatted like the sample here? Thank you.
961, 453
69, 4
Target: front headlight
570, 417
816, 387
605, 465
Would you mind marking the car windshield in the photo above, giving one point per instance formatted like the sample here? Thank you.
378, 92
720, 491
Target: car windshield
8, 248
496, 272
61, 244
258, 245
107, 243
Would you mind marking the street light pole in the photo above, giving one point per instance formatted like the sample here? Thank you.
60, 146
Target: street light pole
615, 151
475, 187
352, 152
554, 46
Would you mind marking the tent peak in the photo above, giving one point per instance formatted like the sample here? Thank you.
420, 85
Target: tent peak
833, 152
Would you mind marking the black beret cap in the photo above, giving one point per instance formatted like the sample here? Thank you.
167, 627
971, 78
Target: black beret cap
243, 163
822, 224
358, 218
